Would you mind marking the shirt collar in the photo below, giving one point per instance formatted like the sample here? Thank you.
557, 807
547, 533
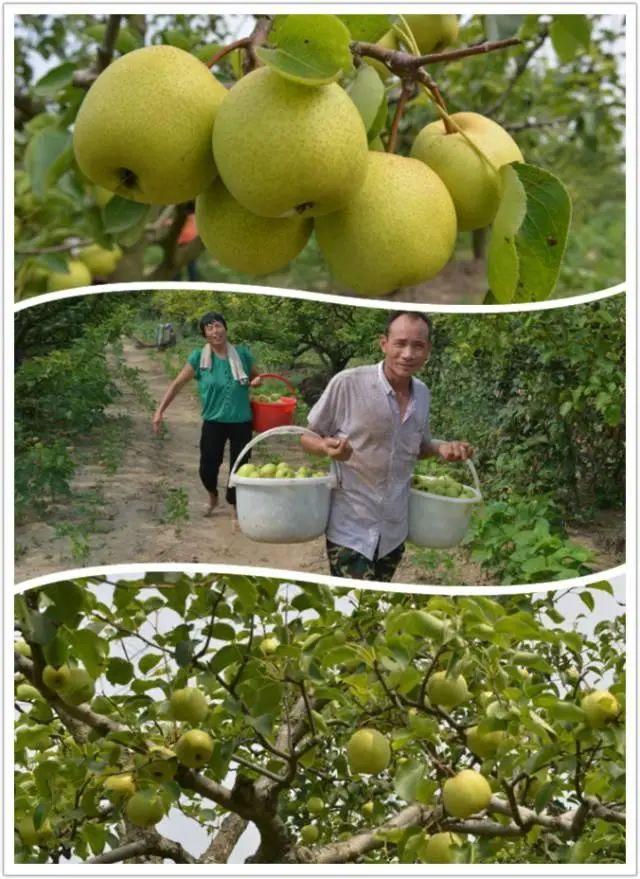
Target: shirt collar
385, 381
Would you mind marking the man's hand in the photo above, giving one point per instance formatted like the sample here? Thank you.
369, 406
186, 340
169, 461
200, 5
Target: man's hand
255, 382
337, 448
455, 451
157, 423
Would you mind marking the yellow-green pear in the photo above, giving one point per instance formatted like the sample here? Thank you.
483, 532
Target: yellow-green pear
119, 786
99, 260
399, 228
55, 678
189, 704
27, 693
161, 765
79, 687
466, 793
22, 648
283, 148
447, 691
309, 833
194, 748
144, 809
484, 745
433, 33
368, 752
77, 275
473, 182
243, 241
441, 848
601, 707
28, 833
144, 128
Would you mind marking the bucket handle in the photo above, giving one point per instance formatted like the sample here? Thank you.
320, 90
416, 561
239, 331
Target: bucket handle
275, 431
280, 378
470, 465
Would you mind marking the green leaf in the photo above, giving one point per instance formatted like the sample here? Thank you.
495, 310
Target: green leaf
148, 661
367, 28
587, 599
570, 35
501, 27
120, 214
529, 234
309, 49
568, 711
412, 785
184, 653
43, 150
367, 93
602, 586
223, 632
96, 836
55, 80
91, 649
119, 671
43, 629
246, 591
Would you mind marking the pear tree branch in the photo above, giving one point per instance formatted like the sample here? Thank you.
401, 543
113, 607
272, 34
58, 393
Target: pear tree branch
84, 79
151, 843
404, 64
224, 841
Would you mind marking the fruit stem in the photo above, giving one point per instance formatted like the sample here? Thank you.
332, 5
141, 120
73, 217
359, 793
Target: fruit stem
405, 94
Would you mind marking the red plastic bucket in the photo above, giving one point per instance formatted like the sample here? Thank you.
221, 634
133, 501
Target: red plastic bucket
278, 414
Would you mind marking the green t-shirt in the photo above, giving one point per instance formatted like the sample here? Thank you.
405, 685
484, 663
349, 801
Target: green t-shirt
222, 397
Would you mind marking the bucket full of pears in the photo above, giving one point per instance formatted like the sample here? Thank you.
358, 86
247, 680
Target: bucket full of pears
278, 503
272, 409
440, 507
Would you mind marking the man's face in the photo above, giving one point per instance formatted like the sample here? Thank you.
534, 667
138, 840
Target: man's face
406, 347
215, 333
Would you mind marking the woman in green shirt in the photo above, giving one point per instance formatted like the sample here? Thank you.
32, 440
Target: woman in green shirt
224, 374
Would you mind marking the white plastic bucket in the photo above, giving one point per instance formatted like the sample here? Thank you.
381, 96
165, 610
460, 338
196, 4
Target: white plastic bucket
282, 510
438, 522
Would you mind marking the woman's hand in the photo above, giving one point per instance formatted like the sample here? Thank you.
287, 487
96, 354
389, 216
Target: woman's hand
255, 382
157, 422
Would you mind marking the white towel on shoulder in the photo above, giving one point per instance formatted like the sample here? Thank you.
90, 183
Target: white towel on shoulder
237, 369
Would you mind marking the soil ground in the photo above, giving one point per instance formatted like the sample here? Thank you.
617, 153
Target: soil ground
131, 519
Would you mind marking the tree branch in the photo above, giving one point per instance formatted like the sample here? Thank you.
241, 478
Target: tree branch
152, 843
225, 840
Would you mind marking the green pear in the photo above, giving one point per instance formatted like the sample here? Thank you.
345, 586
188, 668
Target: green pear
28, 833
441, 848
79, 687
433, 33
144, 809
194, 748
484, 745
243, 241
601, 708
77, 275
447, 691
100, 261
368, 752
399, 229
189, 704
283, 148
473, 183
144, 128
466, 793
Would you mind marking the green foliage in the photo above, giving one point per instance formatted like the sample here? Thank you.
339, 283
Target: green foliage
522, 541
344, 660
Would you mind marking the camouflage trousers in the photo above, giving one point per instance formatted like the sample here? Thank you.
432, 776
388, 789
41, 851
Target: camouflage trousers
346, 562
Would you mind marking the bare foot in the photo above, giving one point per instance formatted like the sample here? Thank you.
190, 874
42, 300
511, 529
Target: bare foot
213, 503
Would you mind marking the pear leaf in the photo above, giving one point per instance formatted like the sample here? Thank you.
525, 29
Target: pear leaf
367, 93
529, 234
309, 49
501, 27
43, 150
121, 214
367, 28
55, 80
570, 34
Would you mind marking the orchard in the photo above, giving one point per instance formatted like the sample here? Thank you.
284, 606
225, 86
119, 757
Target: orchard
361, 154
186, 718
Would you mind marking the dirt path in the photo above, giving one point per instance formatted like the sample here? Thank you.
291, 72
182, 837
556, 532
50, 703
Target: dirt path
129, 524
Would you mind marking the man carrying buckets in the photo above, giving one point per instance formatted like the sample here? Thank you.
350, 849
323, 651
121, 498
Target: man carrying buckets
374, 420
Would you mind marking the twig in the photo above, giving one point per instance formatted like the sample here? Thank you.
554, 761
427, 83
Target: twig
395, 125
105, 50
214, 608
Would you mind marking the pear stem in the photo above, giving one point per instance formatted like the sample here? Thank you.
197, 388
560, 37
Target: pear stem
405, 94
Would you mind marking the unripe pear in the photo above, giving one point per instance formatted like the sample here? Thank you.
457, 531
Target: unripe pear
77, 275
466, 793
269, 645
441, 848
309, 834
22, 648
194, 748
144, 809
473, 182
315, 805
28, 833
433, 33
56, 678
118, 786
162, 764
304, 152
243, 241
189, 704
27, 693
368, 752
398, 229
368, 808
446, 691
79, 687
484, 745
100, 261
144, 128
601, 707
